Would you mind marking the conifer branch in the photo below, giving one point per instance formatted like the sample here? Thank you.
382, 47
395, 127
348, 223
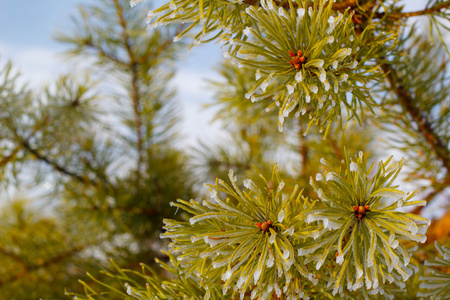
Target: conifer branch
341, 6
437, 189
127, 209
54, 260
428, 11
303, 149
55, 165
424, 127
102, 52
8, 158
12, 255
135, 95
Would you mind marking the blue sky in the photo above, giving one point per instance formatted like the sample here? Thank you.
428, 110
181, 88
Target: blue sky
26, 29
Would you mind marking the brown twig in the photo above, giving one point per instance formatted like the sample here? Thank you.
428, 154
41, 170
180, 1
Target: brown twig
103, 53
436, 190
427, 11
303, 150
55, 165
8, 158
424, 126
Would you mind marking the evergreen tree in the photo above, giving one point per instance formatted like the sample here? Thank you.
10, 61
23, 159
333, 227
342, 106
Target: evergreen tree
103, 145
308, 84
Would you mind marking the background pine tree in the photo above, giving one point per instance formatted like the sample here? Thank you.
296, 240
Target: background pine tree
314, 211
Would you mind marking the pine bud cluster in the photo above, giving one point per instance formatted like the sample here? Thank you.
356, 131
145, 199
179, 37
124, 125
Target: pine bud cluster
307, 59
362, 226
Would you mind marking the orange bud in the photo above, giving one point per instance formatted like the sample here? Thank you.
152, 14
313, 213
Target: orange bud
264, 226
297, 66
360, 216
269, 222
302, 59
361, 209
258, 225
291, 54
366, 207
299, 53
355, 208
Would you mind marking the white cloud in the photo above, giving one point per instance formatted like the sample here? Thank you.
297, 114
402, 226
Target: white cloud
37, 65
192, 95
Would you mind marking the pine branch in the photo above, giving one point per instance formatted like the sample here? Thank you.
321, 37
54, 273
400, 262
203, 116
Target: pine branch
127, 209
103, 53
303, 150
55, 165
425, 128
12, 255
418, 117
10, 157
428, 11
54, 260
135, 96
341, 6
437, 189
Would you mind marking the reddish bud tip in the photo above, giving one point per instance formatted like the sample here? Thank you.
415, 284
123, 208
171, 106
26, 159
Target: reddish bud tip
258, 225
366, 207
361, 209
264, 226
299, 53
355, 208
269, 222
360, 216
297, 66
302, 59
291, 54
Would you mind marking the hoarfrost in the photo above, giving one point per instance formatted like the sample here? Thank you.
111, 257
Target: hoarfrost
270, 261
326, 85
272, 238
257, 75
247, 183
281, 216
290, 89
359, 273
227, 275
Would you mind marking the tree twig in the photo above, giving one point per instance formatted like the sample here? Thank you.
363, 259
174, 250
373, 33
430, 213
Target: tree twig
8, 158
424, 126
55, 165
427, 11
